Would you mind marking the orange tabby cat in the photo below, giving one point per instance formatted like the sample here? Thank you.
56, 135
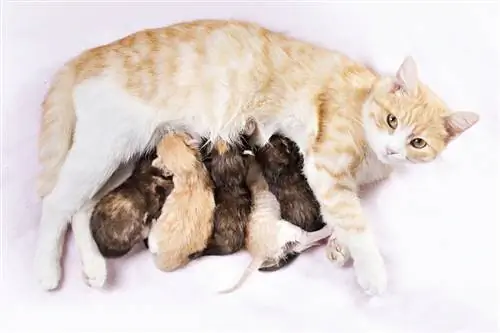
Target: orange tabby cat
209, 77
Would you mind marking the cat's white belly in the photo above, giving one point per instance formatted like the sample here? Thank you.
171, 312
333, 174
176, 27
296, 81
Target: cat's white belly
102, 101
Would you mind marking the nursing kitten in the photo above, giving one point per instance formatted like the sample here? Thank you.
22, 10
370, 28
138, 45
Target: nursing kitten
282, 164
122, 218
185, 224
209, 77
269, 237
233, 200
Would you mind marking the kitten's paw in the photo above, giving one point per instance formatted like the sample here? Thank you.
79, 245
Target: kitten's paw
337, 252
95, 272
152, 244
48, 274
371, 274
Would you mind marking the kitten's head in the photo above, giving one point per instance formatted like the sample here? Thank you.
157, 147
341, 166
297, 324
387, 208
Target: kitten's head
281, 155
405, 121
227, 165
178, 153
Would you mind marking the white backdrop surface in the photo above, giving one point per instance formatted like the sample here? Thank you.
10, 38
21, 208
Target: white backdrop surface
435, 223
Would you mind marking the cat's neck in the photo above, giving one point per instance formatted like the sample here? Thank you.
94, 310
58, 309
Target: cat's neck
339, 110
371, 170
339, 107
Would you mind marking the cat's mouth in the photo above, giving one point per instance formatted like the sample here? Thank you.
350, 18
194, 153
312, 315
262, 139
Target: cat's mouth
391, 158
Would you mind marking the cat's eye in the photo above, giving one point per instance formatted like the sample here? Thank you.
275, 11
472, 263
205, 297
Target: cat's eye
418, 143
392, 121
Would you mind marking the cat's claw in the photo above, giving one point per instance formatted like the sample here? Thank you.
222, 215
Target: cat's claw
337, 252
371, 274
95, 272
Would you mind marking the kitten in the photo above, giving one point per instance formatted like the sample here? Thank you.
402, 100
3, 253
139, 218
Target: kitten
350, 123
122, 218
185, 224
269, 237
233, 200
282, 164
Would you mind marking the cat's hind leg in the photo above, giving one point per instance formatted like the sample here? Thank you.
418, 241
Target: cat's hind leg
103, 138
85, 169
93, 263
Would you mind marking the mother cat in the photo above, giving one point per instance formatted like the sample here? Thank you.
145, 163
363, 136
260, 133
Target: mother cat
209, 78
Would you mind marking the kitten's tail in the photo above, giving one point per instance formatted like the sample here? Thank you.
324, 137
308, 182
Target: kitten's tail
57, 126
252, 267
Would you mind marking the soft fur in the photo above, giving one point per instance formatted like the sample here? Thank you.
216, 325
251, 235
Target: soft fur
270, 238
282, 164
185, 223
123, 217
233, 200
208, 78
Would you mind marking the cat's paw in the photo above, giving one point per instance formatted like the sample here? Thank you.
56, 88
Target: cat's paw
95, 272
371, 273
47, 274
337, 252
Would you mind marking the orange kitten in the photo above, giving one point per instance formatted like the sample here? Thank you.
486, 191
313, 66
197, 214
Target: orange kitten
185, 224
207, 78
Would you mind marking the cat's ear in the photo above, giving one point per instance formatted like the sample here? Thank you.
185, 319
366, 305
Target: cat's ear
407, 76
459, 122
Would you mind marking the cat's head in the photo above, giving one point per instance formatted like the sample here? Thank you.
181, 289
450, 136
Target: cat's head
404, 121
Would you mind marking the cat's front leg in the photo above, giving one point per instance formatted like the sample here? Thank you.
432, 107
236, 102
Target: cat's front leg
341, 209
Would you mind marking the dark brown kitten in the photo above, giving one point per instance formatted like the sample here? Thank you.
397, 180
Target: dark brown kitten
282, 164
122, 217
233, 199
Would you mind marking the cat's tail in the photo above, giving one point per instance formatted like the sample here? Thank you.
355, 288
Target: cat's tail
252, 267
57, 126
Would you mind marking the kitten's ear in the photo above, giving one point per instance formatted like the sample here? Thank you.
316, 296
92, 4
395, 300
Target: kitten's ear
194, 143
407, 76
459, 122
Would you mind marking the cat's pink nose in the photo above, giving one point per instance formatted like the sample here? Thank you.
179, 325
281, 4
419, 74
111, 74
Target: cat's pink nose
390, 151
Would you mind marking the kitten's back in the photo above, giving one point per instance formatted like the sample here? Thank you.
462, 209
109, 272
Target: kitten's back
119, 219
185, 224
233, 199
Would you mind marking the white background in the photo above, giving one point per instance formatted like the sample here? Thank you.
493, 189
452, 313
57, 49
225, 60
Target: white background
435, 223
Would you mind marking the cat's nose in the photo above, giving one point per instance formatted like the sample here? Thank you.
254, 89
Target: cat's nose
390, 151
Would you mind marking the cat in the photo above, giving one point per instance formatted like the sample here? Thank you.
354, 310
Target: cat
270, 238
123, 217
208, 77
185, 223
282, 165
